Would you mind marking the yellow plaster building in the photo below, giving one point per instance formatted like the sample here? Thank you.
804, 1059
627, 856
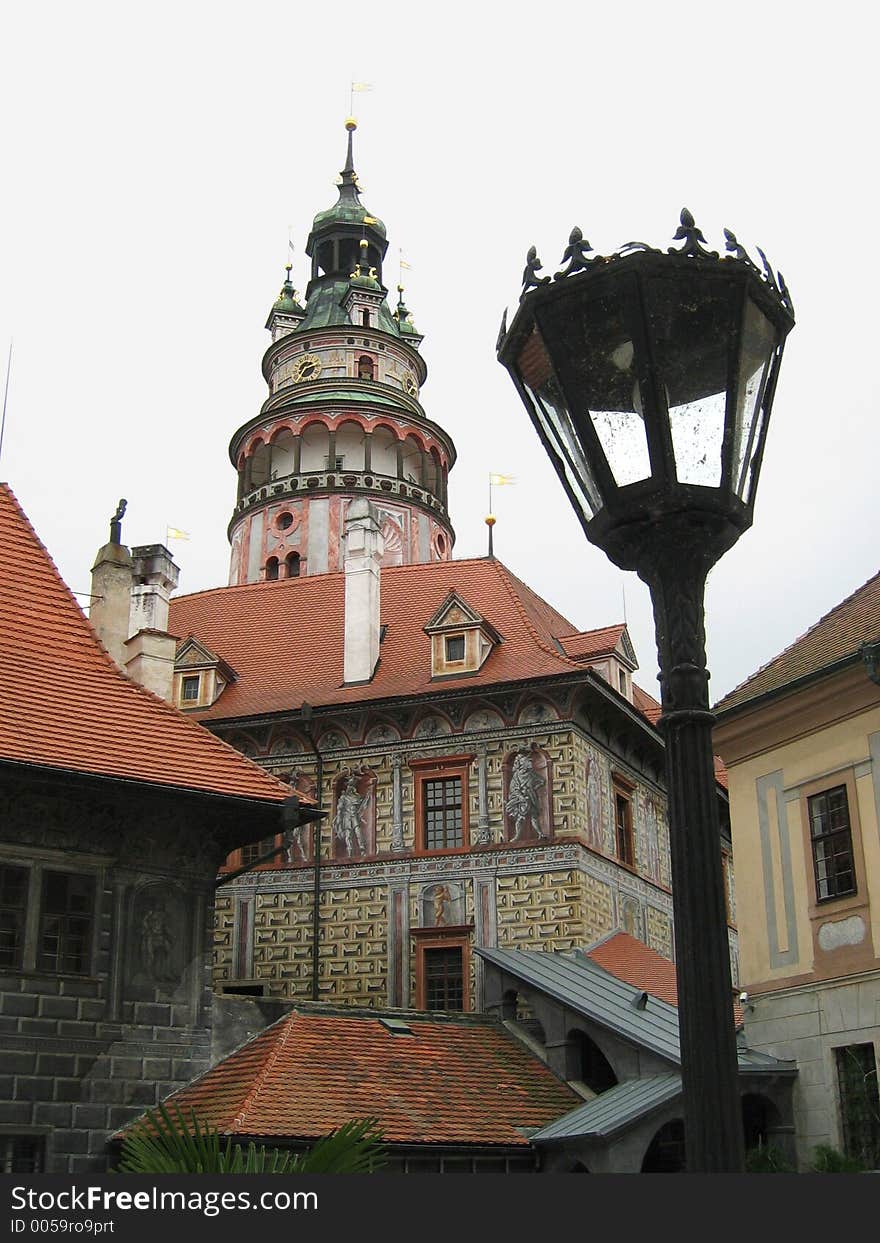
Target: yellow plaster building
801, 741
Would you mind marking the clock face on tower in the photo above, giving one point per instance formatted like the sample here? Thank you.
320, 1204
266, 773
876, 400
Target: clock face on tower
409, 385
306, 368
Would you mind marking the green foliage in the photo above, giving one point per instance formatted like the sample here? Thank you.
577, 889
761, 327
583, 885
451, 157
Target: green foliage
827, 1160
161, 1144
766, 1159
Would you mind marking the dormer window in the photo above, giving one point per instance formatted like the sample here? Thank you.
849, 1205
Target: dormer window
461, 639
200, 676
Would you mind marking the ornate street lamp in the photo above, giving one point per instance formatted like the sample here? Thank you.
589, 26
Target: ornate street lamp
649, 376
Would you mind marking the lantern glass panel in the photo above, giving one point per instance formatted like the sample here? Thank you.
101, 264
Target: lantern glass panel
692, 323
608, 385
551, 413
756, 353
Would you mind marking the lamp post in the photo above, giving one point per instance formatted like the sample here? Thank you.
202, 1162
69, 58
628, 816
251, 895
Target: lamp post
649, 376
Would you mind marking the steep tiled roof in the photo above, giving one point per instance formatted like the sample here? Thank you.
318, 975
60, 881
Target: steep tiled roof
285, 638
834, 637
630, 960
64, 704
636, 963
448, 1082
646, 704
591, 644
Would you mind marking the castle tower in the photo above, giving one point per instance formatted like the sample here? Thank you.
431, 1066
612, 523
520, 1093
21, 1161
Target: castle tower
343, 417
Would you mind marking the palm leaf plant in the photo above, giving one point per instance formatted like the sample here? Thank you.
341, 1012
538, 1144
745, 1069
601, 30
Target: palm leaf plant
165, 1143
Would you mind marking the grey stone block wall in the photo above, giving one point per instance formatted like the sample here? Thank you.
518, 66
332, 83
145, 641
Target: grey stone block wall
83, 1054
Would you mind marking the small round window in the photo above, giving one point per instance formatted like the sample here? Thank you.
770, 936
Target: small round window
284, 521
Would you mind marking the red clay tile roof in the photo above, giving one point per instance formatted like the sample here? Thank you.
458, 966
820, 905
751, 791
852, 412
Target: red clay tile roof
591, 644
834, 637
285, 638
646, 704
447, 1083
630, 960
64, 704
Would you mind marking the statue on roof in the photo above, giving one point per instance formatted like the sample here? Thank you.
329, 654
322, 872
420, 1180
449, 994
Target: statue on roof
116, 522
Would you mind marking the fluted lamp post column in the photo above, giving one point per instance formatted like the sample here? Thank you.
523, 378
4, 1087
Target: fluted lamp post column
649, 376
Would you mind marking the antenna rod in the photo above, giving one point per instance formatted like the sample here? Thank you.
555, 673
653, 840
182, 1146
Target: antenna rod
5, 395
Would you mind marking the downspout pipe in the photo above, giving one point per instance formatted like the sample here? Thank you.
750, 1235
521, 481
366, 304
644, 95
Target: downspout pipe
306, 719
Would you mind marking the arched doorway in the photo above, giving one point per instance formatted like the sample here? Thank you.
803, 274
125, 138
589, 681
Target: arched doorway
665, 1153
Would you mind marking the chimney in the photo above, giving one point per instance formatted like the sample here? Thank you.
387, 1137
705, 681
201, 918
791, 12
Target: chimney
154, 578
111, 591
363, 553
149, 653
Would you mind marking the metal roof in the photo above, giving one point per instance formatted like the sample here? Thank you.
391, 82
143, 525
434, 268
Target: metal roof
614, 1110
576, 982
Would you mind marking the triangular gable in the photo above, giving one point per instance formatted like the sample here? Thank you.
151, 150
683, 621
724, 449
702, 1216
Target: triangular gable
625, 649
453, 612
191, 654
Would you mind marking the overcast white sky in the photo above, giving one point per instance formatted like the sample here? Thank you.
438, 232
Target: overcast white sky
154, 156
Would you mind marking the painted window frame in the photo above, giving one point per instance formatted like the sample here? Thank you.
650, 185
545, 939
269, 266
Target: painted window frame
622, 788
441, 769
444, 938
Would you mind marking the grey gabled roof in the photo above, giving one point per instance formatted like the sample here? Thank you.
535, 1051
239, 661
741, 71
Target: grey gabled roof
583, 986
614, 1110
574, 980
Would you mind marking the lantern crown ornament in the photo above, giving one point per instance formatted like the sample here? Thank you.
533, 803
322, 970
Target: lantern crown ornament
649, 376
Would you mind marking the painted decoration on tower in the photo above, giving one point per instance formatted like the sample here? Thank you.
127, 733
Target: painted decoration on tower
649, 854
354, 819
595, 802
527, 792
431, 726
392, 545
298, 841
631, 917
158, 944
442, 905
383, 732
536, 710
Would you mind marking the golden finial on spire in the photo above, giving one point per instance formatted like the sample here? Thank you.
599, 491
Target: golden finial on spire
350, 123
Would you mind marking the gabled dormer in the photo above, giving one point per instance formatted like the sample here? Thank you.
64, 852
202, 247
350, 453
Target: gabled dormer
200, 675
608, 651
461, 639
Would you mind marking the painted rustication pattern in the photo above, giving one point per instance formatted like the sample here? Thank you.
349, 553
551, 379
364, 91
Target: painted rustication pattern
283, 942
550, 909
354, 953
658, 931
223, 928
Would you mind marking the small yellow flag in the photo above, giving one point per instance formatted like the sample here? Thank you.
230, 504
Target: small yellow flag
370, 220
361, 86
498, 481
173, 533
404, 264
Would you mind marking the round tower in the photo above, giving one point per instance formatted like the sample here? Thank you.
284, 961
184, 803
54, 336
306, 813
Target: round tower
343, 417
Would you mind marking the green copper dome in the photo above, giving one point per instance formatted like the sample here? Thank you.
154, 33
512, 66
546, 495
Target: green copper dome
348, 209
286, 302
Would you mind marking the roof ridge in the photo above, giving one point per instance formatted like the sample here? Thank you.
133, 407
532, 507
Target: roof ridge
286, 1023
84, 633
506, 576
800, 638
577, 634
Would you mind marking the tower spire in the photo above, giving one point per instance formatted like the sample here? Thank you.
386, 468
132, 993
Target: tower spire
349, 176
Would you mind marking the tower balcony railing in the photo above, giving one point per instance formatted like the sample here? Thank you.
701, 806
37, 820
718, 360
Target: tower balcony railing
308, 482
